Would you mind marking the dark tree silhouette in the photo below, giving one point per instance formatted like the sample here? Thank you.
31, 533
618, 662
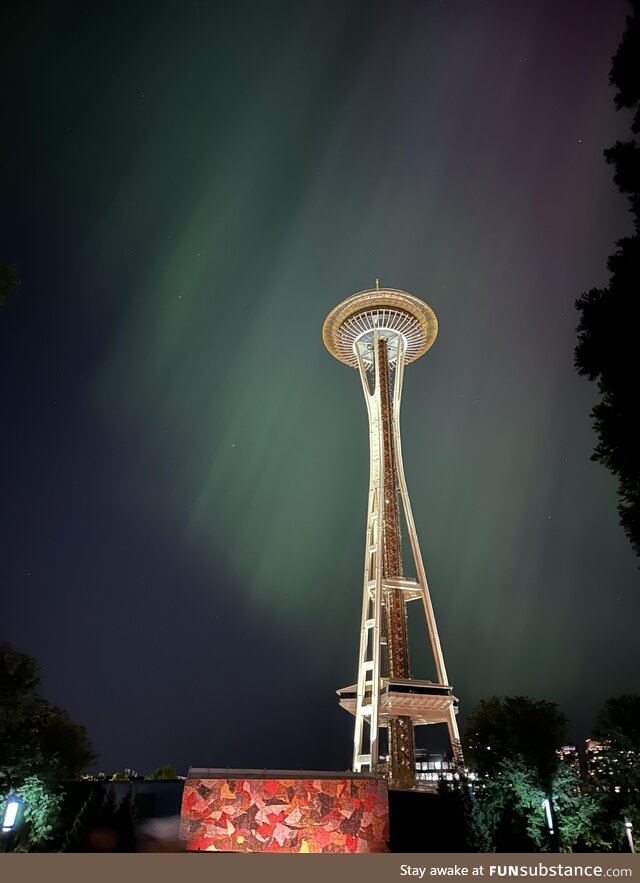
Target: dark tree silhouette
164, 772
607, 350
511, 743
40, 748
515, 728
618, 728
618, 771
619, 722
36, 738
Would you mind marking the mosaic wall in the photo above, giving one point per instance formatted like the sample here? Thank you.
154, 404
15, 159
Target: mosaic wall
285, 815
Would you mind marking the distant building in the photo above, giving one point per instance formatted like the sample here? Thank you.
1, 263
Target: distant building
434, 767
119, 776
568, 755
613, 768
430, 769
598, 759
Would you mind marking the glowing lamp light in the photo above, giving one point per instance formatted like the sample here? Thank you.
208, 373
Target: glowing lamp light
628, 824
10, 815
547, 808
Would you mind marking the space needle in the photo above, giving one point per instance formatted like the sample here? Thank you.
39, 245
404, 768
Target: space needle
378, 332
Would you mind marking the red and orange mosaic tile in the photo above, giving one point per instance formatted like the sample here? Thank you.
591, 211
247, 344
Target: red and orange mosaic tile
285, 815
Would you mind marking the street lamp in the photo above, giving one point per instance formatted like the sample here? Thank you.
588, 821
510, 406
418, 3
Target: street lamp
547, 807
11, 811
628, 826
10, 819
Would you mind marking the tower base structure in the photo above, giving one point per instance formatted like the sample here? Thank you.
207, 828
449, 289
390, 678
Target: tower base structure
423, 701
420, 702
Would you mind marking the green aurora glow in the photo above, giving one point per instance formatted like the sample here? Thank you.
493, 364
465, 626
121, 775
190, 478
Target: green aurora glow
261, 437
233, 178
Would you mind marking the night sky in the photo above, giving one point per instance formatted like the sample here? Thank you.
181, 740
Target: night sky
187, 189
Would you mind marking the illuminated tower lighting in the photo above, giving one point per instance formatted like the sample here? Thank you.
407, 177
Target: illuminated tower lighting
378, 332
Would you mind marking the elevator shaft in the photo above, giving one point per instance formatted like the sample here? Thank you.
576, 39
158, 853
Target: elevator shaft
400, 729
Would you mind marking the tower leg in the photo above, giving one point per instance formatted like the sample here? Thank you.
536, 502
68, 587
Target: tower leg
366, 746
454, 738
441, 672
